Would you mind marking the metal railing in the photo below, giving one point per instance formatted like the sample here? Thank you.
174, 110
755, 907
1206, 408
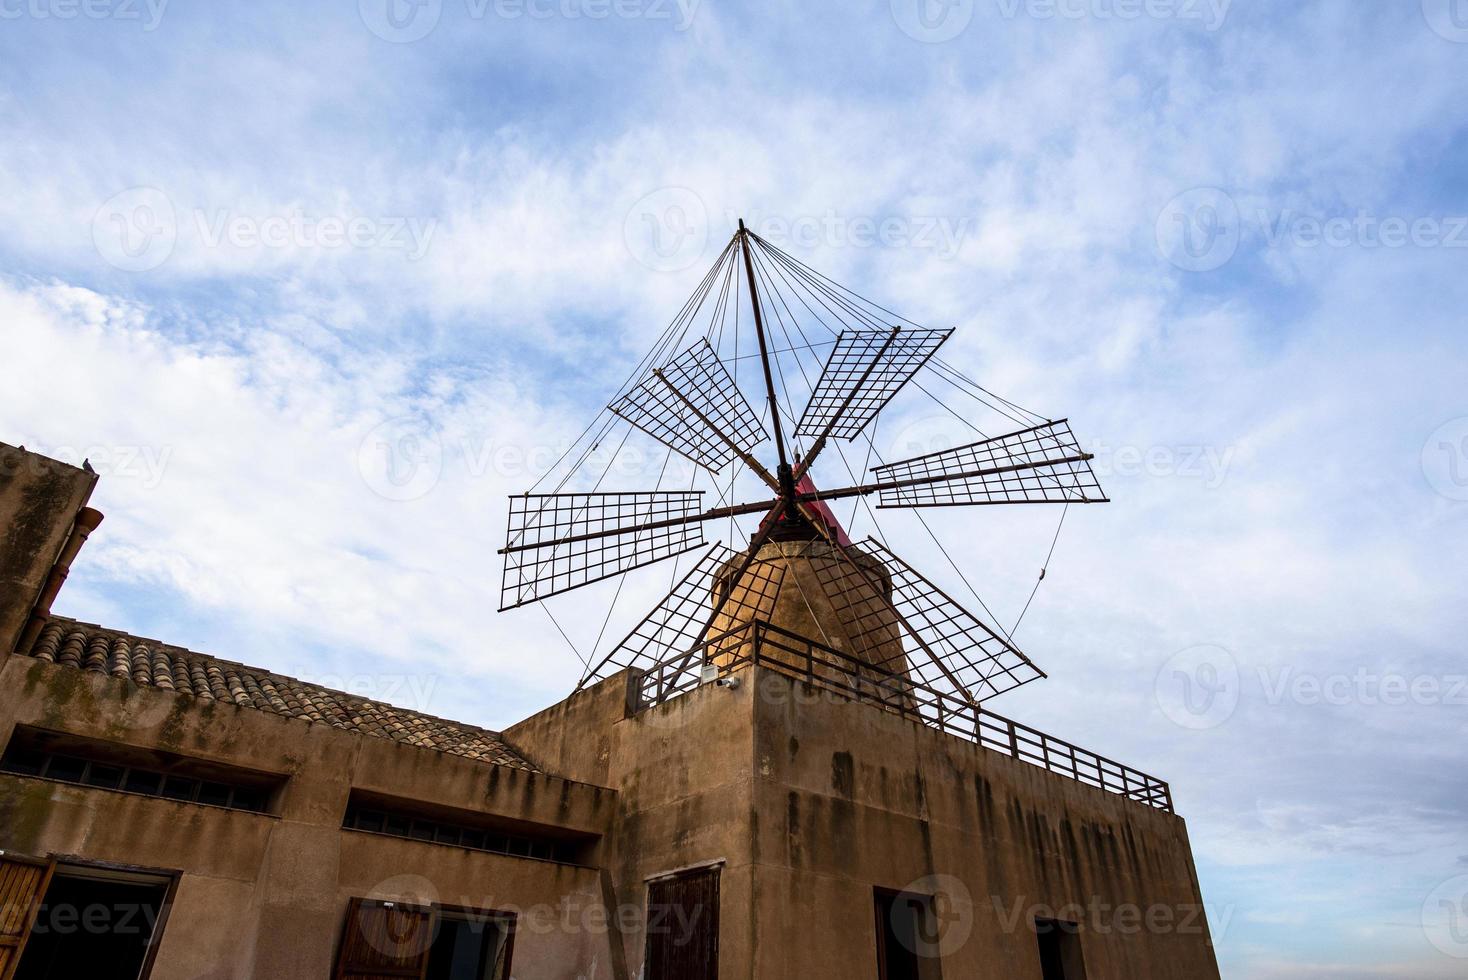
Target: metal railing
823, 667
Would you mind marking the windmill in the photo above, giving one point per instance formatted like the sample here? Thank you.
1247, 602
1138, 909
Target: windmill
887, 626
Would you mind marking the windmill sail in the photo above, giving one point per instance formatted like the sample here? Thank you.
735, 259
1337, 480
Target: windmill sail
864, 371
1043, 464
949, 646
562, 541
693, 407
677, 624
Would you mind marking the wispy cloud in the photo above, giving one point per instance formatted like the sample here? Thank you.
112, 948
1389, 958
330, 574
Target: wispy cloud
314, 299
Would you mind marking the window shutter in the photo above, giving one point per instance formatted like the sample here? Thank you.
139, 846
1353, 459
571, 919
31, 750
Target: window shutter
23, 882
385, 940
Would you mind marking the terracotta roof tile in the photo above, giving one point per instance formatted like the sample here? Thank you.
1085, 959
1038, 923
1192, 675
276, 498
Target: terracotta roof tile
149, 663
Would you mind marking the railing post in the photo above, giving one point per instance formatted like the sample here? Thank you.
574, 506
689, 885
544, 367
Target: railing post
1013, 738
634, 691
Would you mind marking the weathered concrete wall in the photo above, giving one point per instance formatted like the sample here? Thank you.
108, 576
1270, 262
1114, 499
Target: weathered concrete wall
39, 498
806, 801
852, 798
811, 802
684, 778
266, 895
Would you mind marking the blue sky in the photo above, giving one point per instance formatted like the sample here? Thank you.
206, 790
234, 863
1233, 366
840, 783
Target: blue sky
243, 246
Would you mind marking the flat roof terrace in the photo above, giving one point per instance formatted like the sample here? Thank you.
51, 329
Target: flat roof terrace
825, 668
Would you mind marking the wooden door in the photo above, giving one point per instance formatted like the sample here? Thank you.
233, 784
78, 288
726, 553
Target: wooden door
385, 941
683, 927
23, 882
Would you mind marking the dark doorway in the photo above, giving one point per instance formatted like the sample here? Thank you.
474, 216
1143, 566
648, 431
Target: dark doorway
101, 928
906, 946
1060, 950
469, 947
683, 927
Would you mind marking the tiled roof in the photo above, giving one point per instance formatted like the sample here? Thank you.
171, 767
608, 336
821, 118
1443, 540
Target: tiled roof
152, 664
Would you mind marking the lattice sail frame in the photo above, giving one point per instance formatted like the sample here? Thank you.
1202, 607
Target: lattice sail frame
678, 624
946, 646
716, 424
552, 561
1043, 464
865, 370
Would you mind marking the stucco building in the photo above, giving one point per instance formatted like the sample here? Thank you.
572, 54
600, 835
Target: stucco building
173, 815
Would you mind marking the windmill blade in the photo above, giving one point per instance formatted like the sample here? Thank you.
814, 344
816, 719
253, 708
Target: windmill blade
864, 371
965, 653
693, 407
680, 622
1043, 464
562, 541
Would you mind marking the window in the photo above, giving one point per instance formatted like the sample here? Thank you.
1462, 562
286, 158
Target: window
97, 923
396, 823
1060, 950
105, 765
907, 936
432, 942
